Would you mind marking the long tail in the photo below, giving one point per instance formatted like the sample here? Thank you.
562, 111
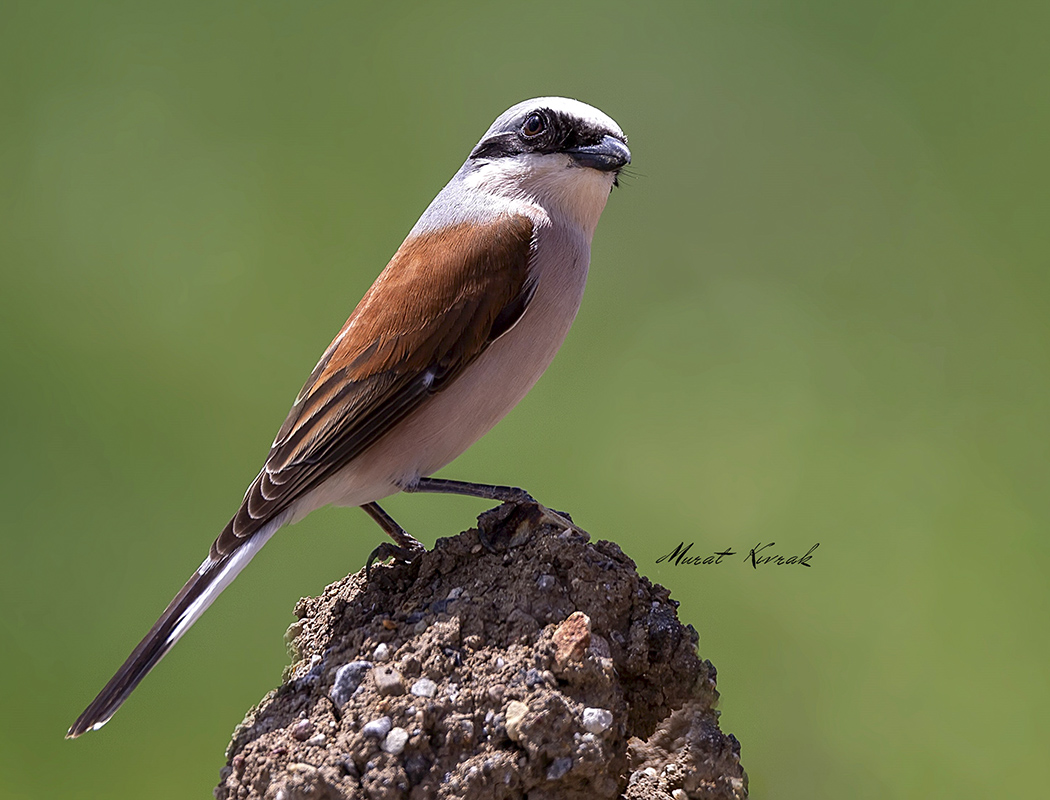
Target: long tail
200, 591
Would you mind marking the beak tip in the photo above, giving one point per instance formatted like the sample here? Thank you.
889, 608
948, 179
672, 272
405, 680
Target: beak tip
609, 155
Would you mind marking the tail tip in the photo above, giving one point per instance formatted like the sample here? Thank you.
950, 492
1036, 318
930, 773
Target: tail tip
85, 724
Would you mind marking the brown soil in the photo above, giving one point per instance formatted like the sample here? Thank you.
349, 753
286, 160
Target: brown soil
545, 667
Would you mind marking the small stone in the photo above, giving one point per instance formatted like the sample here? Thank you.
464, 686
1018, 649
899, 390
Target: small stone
317, 740
378, 728
572, 638
455, 594
600, 647
382, 652
545, 582
347, 678
513, 716
302, 730
389, 624
388, 680
417, 768
597, 720
424, 687
679, 794
559, 768
395, 741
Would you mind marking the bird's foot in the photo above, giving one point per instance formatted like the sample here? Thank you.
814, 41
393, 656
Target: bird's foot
405, 554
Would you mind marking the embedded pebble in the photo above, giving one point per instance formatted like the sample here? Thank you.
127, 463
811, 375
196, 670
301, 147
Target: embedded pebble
679, 794
545, 582
395, 741
347, 678
378, 728
382, 652
388, 681
302, 730
317, 740
515, 713
597, 720
572, 638
559, 768
648, 772
455, 594
424, 687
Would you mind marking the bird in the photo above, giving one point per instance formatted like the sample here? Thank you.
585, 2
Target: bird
453, 333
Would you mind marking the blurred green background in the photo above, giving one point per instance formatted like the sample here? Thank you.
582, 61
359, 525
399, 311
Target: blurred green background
816, 312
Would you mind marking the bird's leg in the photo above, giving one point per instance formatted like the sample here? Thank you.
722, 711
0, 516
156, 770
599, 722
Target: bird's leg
486, 491
406, 547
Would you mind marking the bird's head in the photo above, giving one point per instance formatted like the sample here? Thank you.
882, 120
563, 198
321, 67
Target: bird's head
560, 153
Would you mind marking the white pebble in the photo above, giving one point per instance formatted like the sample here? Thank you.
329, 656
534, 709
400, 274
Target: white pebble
382, 652
513, 717
424, 687
395, 741
378, 728
597, 720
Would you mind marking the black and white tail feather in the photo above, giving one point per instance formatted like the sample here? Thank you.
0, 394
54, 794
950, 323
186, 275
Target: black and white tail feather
200, 591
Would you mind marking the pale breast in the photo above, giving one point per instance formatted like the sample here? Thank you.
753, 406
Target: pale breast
452, 420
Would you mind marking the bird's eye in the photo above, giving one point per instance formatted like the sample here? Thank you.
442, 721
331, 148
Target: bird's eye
534, 125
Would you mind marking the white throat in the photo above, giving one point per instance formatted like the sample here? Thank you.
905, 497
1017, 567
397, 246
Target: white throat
551, 183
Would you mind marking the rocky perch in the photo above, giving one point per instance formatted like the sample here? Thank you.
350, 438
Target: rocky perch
514, 660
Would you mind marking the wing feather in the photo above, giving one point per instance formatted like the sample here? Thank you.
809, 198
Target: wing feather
442, 299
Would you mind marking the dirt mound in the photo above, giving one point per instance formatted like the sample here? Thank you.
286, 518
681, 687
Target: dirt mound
514, 660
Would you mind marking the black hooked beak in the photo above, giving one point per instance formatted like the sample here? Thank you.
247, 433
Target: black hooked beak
609, 155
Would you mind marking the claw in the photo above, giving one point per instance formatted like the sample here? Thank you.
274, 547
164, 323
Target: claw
406, 555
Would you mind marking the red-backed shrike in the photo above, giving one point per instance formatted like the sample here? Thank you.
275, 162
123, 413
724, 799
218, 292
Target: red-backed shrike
458, 327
